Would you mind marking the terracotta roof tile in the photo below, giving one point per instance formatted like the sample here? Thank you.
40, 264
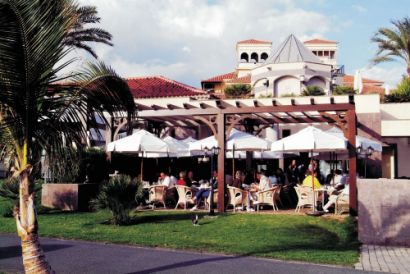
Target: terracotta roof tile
350, 79
369, 88
254, 41
241, 80
319, 41
220, 78
159, 86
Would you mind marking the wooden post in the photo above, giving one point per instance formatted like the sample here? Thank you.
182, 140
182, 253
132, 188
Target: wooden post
351, 137
221, 161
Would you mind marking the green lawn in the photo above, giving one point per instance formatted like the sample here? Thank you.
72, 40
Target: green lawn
288, 237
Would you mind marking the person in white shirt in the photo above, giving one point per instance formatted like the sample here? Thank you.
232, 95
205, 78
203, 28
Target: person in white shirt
264, 182
164, 179
333, 197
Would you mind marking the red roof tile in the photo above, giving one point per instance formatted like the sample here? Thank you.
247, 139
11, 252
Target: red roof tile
159, 86
350, 79
241, 80
220, 78
254, 41
368, 88
319, 41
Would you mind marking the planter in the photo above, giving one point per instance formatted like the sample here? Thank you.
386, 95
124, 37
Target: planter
69, 197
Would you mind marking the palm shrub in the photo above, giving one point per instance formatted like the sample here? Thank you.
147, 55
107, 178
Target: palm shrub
313, 91
118, 195
401, 93
344, 90
237, 90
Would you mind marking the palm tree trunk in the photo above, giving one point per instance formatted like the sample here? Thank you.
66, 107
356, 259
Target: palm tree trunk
408, 70
34, 260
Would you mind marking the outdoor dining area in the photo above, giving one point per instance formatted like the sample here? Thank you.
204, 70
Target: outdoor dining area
183, 174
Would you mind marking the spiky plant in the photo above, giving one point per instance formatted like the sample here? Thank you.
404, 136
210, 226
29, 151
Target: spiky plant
40, 110
313, 91
117, 195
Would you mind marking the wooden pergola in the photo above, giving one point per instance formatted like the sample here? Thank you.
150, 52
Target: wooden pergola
223, 115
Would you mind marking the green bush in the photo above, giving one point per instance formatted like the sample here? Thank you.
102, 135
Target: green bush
237, 90
313, 91
9, 190
401, 94
93, 166
344, 90
118, 195
291, 94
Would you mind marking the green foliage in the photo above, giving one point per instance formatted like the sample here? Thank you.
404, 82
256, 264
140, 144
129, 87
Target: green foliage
344, 90
393, 44
118, 196
401, 94
313, 91
9, 191
93, 166
237, 90
295, 237
262, 96
291, 94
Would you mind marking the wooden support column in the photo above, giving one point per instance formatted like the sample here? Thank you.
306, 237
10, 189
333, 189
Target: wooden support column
351, 137
220, 120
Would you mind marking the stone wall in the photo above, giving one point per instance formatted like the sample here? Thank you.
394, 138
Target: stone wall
384, 211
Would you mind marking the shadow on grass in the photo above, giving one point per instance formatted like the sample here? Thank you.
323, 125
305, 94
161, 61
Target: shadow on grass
15, 250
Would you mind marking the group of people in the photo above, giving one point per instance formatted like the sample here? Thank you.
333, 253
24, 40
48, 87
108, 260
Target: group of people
252, 182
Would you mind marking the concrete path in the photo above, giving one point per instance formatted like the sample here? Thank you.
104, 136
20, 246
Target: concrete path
68, 256
384, 258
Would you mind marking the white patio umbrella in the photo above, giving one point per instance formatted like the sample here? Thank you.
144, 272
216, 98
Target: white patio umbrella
141, 142
361, 141
177, 148
358, 82
189, 140
310, 139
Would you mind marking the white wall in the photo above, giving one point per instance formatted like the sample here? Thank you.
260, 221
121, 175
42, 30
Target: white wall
286, 85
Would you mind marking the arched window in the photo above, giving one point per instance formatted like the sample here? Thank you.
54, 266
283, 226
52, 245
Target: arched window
244, 57
254, 57
264, 56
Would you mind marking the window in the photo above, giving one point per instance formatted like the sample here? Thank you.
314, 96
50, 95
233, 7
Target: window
285, 133
264, 56
244, 57
254, 57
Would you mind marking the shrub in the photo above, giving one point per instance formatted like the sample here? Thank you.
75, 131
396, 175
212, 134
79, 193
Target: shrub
313, 91
291, 94
344, 90
93, 166
9, 190
118, 195
401, 94
237, 90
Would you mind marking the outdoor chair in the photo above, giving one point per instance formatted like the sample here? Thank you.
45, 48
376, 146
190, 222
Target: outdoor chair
208, 200
185, 196
342, 204
237, 197
305, 197
157, 194
269, 197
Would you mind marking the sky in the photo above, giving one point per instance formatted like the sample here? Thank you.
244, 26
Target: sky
192, 40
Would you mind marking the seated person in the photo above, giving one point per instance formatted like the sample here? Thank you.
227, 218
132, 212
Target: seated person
308, 182
264, 182
190, 178
333, 197
183, 180
204, 193
164, 179
238, 180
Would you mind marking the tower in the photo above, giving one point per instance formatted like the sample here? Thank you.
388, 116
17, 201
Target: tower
324, 49
250, 54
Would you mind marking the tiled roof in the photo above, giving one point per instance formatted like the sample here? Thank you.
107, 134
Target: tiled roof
254, 41
220, 78
319, 41
292, 51
241, 80
159, 86
350, 79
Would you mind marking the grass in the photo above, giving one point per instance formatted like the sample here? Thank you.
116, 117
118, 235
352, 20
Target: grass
287, 237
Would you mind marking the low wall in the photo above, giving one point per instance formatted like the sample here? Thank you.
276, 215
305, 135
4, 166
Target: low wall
384, 211
70, 197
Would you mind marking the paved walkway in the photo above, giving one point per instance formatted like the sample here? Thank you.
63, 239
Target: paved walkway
384, 258
86, 257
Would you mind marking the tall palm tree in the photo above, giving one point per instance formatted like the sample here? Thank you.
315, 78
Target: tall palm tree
394, 43
79, 34
41, 111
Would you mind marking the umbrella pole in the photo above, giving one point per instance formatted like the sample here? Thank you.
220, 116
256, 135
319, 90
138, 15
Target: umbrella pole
313, 182
233, 163
142, 168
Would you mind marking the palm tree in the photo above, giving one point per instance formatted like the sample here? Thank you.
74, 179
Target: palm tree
394, 43
40, 110
79, 34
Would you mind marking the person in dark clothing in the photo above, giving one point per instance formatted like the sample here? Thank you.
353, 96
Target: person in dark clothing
293, 174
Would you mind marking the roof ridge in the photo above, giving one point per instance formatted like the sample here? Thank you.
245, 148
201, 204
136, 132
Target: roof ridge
180, 84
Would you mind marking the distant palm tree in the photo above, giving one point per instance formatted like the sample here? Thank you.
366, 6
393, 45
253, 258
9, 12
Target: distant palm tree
79, 34
40, 110
394, 43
